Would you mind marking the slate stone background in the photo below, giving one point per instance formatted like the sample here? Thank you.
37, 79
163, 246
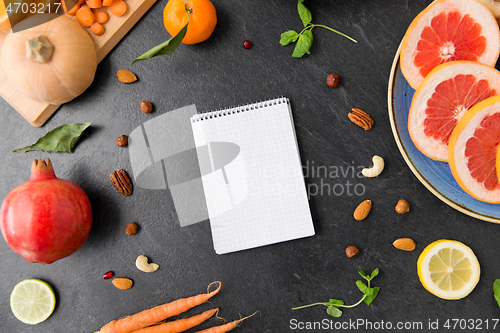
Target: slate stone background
273, 279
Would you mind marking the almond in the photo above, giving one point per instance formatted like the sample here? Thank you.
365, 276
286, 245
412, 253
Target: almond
126, 76
405, 244
122, 283
362, 210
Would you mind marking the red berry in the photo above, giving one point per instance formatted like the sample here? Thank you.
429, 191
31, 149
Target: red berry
108, 275
247, 44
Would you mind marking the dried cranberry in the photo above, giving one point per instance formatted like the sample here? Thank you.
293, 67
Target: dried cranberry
108, 275
247, 44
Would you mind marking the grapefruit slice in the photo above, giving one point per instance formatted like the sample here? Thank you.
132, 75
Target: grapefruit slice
473, 150
493, 6
443, 98
449, 30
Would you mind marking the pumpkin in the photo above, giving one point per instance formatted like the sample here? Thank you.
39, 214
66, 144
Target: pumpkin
52, 59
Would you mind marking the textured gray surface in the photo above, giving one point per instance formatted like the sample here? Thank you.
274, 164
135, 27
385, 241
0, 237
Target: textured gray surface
220, 73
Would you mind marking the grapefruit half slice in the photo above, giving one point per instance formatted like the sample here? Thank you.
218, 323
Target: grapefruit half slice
473, 150
443, 98
493, 6
449, 30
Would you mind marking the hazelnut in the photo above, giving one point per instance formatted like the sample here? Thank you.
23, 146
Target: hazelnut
332, 80
122, 141
131, 229
146, 106
351, 251
402, 206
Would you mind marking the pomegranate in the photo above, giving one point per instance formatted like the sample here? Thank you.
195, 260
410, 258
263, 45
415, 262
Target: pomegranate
46, 218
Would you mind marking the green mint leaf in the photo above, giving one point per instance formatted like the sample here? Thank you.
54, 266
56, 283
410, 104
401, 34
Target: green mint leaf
304, 13
364, 275
374, 273
368, 291
165, 48
369, 299
333, 311
336, 302
303, 45
496, 291
362, 286
288, 37
62, 138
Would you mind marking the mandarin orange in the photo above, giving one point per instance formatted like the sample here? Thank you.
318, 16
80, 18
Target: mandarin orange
201, 15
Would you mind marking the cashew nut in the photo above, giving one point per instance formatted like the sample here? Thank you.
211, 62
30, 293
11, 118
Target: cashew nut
376, 169
142, 263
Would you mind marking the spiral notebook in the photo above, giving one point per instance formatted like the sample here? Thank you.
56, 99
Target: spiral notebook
252, 175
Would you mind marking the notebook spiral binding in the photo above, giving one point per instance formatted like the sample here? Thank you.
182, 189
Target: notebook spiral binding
206, 115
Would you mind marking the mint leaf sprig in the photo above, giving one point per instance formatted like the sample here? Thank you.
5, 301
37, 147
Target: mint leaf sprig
333, 305
496, 291
304, 38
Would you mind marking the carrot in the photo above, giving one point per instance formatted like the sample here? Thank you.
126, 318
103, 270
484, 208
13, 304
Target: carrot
226, 327
97, 29
118, 7
179, 325
72, 5
94, 3
106, 3
84, 16
152, 316
101, 16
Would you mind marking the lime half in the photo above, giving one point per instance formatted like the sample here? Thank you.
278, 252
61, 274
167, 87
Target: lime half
32, 301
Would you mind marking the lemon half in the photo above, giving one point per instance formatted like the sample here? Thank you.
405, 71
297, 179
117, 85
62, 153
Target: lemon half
448, 269
32, 301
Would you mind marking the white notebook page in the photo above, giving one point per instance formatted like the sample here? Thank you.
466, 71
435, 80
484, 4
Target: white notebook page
258, 197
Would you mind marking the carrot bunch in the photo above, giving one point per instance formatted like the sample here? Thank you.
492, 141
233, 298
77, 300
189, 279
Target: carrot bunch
90, 13
153, 320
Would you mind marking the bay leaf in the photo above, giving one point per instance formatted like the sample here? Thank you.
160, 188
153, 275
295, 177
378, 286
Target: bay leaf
166, 48
60, 139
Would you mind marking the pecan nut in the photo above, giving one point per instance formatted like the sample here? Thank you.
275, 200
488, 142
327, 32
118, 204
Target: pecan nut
361, 118
121, 182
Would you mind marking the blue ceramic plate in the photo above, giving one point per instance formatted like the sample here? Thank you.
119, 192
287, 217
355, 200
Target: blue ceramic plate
436, 176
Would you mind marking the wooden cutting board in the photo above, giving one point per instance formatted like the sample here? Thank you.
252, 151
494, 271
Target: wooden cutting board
37, 113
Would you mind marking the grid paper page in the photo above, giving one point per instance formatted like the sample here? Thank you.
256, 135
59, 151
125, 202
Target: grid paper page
259, 197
